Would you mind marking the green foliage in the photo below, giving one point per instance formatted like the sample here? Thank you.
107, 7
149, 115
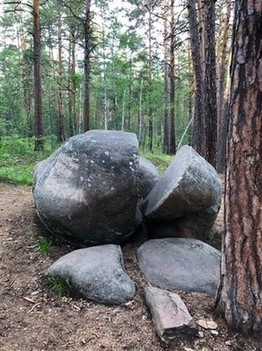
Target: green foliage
44, 245
18, 158
160, 160
58, 285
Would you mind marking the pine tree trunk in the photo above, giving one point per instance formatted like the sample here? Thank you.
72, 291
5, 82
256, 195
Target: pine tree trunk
210, 91
240, 293
222, 115
39, 142
198, 123
171, 125
61, 117
166, 76
150, 111
87, 51
169, 57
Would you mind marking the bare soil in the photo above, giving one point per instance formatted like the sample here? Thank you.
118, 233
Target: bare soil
33, 318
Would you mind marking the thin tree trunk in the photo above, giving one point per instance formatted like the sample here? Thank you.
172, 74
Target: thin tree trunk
171, 125
150, 112
166, 77
140, 115
222, 91
210, 109
87, 66
61, 117
240, 292
123, 111
39, 142
198, 137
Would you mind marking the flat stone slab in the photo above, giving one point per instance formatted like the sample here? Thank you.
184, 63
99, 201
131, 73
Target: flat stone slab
180, 264
190, 184
86, 192
170, 314
97, 273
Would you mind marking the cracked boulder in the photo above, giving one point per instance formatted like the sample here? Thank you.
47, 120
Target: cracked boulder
186, 199
86, 192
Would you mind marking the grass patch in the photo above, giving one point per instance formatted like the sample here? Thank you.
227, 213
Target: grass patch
44, 245
58, 285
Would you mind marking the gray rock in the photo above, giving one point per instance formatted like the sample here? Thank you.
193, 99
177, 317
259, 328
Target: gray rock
190, 184
170, 315
86, 192
97, 273
148, 176
180, 264
195, 225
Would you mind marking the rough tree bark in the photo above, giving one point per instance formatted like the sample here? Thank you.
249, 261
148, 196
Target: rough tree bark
210, 104
240, 293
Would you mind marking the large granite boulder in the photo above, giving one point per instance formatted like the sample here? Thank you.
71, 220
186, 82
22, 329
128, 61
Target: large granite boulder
148, 176
86, 192
180, 264
97, 273
186, 199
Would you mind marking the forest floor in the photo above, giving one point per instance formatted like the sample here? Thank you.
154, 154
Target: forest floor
32, 318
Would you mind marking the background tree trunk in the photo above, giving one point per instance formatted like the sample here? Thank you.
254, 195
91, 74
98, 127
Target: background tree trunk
198, 123
87, 52
169, 57
222, 71
61, 114
240, 293
210, 104
39, 142
171, 125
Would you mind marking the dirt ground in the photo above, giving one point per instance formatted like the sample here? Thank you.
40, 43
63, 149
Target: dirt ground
32, 318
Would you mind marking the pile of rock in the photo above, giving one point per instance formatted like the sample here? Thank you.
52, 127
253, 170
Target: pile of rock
87, 192
97, 191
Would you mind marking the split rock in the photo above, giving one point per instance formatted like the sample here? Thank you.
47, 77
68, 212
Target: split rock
190, 184
86, 192
97, 273
180, 264
170, 314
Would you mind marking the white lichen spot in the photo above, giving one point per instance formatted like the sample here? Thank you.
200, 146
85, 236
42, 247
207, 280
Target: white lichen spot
107, 153
92, 161
130, 163
81, 179
103, 161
